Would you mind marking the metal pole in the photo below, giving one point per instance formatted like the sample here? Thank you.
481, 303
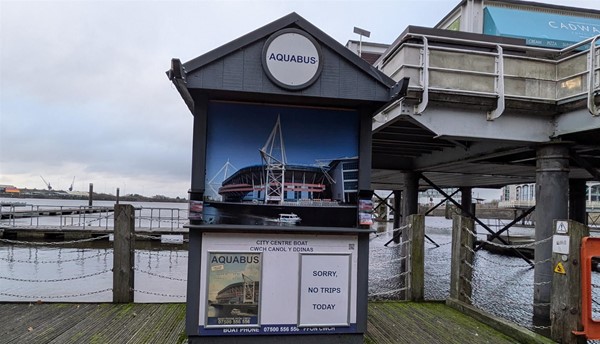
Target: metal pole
577, 206
552, 183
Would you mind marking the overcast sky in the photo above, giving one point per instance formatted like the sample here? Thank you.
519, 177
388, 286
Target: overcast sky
83, 91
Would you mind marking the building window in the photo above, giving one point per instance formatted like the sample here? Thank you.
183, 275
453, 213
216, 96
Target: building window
350, 175
350, 186
532, 192
351, 165
594, 193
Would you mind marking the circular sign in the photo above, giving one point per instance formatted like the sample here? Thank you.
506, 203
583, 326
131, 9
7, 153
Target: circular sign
292, 59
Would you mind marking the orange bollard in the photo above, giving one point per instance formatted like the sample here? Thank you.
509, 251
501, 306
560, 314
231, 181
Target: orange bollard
590, 247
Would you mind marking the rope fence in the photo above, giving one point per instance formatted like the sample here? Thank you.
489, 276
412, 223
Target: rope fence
93, 267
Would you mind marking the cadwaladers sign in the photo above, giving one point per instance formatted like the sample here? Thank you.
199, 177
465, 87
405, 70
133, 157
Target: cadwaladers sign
292, 59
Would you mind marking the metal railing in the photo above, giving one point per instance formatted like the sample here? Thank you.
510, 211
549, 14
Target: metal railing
497, 72
92, 218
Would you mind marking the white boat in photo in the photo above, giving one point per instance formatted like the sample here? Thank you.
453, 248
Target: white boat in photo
290, 218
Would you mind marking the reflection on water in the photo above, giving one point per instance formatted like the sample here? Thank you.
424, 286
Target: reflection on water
84, 275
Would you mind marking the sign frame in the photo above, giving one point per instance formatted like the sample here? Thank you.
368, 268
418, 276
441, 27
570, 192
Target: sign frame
274, 78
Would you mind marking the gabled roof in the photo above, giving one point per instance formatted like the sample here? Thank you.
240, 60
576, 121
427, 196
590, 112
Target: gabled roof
290, 20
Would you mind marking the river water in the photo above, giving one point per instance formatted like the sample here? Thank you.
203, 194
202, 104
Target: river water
502, 285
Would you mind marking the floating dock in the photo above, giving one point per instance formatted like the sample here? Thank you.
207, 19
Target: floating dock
59, 211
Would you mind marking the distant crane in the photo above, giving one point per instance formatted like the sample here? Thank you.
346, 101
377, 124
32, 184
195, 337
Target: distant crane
47, 184
73, 182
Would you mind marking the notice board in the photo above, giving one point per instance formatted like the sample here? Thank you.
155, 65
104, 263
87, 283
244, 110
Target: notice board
257, 283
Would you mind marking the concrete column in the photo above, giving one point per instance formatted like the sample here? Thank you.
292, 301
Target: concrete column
577, 209
466, 200
410, 206
410, 198
552, 184
397, 213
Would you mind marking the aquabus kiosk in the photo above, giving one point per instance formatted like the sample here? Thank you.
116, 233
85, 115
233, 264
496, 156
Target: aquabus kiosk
280, 205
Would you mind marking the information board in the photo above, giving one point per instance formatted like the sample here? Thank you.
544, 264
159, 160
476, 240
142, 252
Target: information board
324, 289
266, 291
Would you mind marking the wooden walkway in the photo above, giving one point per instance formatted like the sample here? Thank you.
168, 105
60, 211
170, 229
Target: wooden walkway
52, 323
388, 322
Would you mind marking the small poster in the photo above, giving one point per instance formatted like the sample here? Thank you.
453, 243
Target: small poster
365, 212
324, 290
195, 210
233, 289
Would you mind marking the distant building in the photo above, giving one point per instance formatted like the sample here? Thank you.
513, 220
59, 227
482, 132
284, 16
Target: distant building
523, 195
368, 51
345, 173
9, 189
541, 25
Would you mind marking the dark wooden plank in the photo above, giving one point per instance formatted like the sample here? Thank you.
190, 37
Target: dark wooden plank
406, 322
92, 323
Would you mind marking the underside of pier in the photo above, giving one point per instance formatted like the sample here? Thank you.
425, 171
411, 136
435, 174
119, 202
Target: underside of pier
486, 112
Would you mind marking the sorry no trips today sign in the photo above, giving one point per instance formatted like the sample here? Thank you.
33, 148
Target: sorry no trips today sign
308, 288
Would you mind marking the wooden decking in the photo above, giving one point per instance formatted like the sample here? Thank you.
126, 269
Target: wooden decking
92, 323
388, 322
431, 322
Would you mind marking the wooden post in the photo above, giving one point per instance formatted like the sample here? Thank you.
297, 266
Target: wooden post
416, 285
124, 253
117, 201
461, 272
565, 301
91, 195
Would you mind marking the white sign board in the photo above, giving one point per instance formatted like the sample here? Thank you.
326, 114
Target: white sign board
324, 290
292, 59
171, 239
287, 264
560, 244
562, 227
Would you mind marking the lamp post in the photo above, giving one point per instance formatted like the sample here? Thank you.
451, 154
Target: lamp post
361, 33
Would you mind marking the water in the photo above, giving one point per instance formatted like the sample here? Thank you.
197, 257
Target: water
60, 274
502, 285
84, 275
